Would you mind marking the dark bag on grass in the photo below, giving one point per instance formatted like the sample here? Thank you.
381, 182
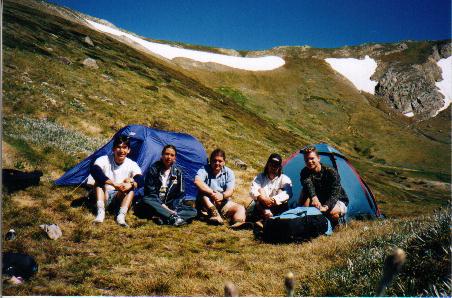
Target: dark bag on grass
15, 180
296, 225
18, 264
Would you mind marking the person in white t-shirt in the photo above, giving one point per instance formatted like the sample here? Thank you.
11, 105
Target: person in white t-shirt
270, 191
115, 177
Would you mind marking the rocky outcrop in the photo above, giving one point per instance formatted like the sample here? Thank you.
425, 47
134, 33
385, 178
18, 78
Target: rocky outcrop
411, 89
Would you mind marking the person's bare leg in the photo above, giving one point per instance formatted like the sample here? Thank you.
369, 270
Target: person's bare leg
335, 214
207, 202
215, 217
305, 202
101, 197
126, 200
236, 212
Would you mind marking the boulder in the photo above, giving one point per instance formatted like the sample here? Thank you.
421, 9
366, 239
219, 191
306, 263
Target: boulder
64, 60
88, 41
90, 63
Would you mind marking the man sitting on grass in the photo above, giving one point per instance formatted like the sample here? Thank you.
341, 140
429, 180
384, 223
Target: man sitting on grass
115, 176
216, 183
164, 191
322, 187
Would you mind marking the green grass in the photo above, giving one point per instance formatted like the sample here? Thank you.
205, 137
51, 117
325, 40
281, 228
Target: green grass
54, 115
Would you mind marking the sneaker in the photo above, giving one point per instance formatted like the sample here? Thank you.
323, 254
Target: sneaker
100, 216
176, 221
241, 225
215, 217
121, 220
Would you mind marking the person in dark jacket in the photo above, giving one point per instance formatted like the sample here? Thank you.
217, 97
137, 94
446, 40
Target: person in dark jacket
322, 187
164, 191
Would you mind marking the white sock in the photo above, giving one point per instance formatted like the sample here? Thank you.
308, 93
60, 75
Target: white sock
100, 204
123, 210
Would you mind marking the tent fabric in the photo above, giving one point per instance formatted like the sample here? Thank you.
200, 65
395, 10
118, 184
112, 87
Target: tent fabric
146, 146
361, 200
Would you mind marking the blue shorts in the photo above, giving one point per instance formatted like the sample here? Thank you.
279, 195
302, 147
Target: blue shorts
111, 196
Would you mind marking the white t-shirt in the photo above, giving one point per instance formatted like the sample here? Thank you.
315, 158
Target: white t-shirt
115, 172
280, 188
164, 175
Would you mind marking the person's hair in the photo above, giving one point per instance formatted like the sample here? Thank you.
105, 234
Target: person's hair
121, 140
310, 149
218, 152
169, 146
271, 159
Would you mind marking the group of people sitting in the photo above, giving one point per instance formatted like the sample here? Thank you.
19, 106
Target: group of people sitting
115, 177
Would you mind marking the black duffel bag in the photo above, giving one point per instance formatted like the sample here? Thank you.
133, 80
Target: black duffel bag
300, 227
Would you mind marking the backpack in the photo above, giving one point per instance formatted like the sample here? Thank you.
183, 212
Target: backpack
18, 264
296, 225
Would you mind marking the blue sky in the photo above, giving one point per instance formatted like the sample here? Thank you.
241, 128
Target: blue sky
263, 24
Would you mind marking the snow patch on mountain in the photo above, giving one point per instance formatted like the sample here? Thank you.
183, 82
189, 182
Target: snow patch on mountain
356, 71
170, 52
445, 86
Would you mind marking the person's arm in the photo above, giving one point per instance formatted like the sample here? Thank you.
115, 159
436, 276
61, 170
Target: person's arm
203, 187
181, 185
284, 192
230, 184
98, 175
334, 186
151, 189
309, 188
255, 187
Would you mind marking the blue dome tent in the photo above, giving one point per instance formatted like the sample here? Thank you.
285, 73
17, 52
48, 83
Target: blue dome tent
361, 200
146, 146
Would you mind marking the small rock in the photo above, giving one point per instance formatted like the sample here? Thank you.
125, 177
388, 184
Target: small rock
64, 60
90, 63
88, 40
107, 77
122, 102
241, 164
53, 231
49, 49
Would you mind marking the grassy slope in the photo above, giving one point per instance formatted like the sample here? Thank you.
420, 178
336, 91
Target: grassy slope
49, 96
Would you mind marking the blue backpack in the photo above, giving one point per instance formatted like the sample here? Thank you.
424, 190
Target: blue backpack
296, 225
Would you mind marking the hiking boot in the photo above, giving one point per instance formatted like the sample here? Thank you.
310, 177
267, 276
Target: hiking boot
100, 216
176, 221
158, 221
121, 220
241, 225
215, 217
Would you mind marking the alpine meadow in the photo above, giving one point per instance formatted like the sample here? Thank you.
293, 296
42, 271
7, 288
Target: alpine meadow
59, 107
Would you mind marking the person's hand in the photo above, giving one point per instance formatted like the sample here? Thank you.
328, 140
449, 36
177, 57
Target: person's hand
124, 187
323, 208
315, 202
267, 214
266, 201
217, 197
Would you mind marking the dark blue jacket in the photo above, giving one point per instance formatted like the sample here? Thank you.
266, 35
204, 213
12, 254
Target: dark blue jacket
175, 192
